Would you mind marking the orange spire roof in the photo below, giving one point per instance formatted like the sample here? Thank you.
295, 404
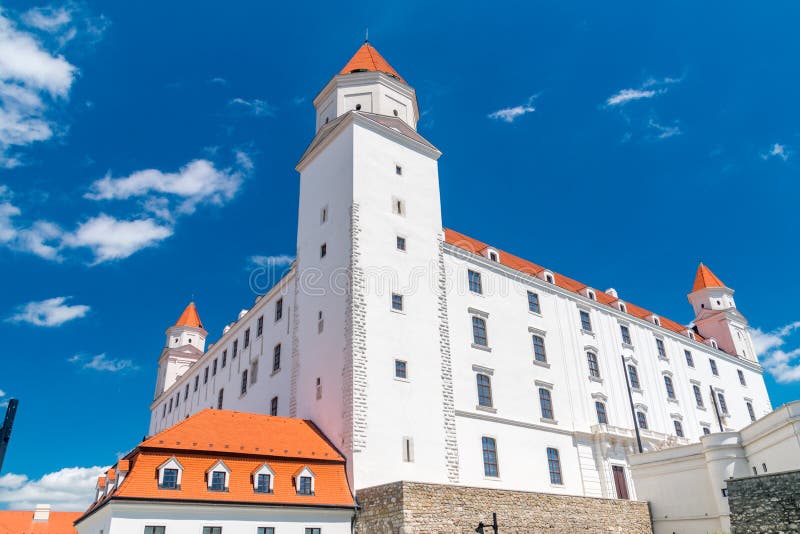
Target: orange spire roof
368, 59
189, 317
705, 278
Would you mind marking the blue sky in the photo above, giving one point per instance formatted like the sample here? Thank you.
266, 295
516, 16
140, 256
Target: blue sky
147, 153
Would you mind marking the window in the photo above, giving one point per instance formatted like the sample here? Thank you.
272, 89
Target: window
398, 207
539, 352
586, 321
490, 457
698, 396
196, 382
714, 344
214, 367
741, 377
397, 302
323, 215
751, 411
484, 390
549, 278
764, 467
177, 399
313, 530
533, 303
479, 331
217, 481
265, 530
244, 382
273, 406
590, 295
714, 369
235, 350
398, 170
641, 418
401, 243
554, 466
594, 366
205, 378
154, 530
260, 326
493, 256
320, 322
186, 392
304, 486
633, 374
662, 351
408, 449
276, 358
170, 479
219, 398
626, 334
602, 416
400, 369
475, 282
263, 482
723, 406
278, 309
622, 307
669, 386
212, 530
689, 358
678, 428
247, 338
546, 403
755, 470
323, 250
224, 357
706, 430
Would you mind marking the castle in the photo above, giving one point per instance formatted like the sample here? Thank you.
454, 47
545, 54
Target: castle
425, 355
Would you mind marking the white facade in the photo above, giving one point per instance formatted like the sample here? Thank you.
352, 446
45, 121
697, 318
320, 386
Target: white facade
119, 517
685, 484
368, 183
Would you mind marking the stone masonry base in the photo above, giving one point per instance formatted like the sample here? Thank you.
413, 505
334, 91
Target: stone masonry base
416, 508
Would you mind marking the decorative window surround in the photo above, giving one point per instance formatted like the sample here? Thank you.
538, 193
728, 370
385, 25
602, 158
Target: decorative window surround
217, 467
264, 469
482, 370
538, 332
479, 313
600, 396
172, 463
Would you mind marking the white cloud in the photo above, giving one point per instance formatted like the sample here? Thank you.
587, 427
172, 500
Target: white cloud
197, 182
255, 107
49, 312
513, 113
279, 260
112, 239
627, 95
783, 365
664, 131
101, 362
776, 151
69, 489
218, 81
48, 18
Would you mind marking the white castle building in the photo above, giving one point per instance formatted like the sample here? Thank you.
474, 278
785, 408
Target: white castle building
425, 355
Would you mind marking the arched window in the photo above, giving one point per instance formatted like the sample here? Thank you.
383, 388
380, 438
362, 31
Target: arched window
546, 403
678, 428
602, 416
698, 396
633, 374
641, 418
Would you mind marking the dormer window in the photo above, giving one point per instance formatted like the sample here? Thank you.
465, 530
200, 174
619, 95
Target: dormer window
622, 307
304, 481
656, 321
492, 254
170, 474
218, 477
548, 277
263, 479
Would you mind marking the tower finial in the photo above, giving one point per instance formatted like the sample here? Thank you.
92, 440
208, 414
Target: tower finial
366, 35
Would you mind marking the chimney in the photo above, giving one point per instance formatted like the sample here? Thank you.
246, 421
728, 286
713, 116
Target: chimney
611, 291
42, 512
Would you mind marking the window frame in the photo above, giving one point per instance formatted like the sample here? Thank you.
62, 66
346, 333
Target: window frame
480, 336
625, 332
534, 304
593, 363
586, 320
484, 390
539, 349
400, 368
554, 467
669, 385
641, 420
633, 377
600, 408
397, 306
474, 282
546, 409
491, 459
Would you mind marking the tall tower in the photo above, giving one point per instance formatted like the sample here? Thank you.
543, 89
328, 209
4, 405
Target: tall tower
369, 267
186, 342
716, 315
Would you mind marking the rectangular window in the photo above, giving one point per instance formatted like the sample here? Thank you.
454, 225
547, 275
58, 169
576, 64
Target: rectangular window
273, 406
626, 334
398, 170
641, 418
320, 322
304, 486
260, 326
219, 398
714, 369
186, 392
539, 352
490, 457
247, 338
479, 331
533, 303
400, 369
254, 372
217, 481
262, 483
474, 280
484, 390
554, 466
235, 351
741, 377
244, 382
546, 403
401, 243
594, 365
323, 250
323, 215
678, 428
586, 321
670, 388
214, 367
279, 309
689, 358
313, 530
177, 399
224, 357
698, 396
723, 406
212, 530
266, 530
170, 480
662, 351
205, 376
154, 530
633, 374
408, 449
751, 411
196, 382
276, 358
397, 302
602, 415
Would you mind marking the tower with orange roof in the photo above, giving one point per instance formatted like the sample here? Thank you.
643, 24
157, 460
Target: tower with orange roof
185, 344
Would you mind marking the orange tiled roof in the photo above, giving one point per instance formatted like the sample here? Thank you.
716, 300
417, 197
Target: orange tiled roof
705, 278
21, 522
123, 466
509, 260
368, 59
190, 317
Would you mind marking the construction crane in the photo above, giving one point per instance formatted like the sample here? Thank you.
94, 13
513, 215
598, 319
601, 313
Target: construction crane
5, 430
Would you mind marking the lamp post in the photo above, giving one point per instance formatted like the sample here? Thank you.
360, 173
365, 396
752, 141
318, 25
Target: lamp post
482, 528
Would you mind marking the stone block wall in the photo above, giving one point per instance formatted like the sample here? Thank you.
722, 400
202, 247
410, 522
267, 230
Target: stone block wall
765, 503
416, 508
